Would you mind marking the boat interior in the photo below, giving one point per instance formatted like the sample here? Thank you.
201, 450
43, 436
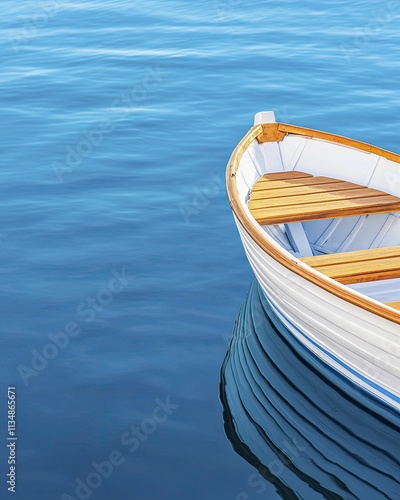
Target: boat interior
347, 231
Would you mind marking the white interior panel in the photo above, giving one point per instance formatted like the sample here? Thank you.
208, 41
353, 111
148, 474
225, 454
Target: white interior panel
383, 291
386, 177
291, 148
336, 161
257, 158
272, 156
248, 170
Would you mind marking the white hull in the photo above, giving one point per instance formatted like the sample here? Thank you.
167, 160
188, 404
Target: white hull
360, 345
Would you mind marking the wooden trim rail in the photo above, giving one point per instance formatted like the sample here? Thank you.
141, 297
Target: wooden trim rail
277, 131
293, 196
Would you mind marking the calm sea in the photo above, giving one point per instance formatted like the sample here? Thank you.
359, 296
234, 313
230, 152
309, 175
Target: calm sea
121, 270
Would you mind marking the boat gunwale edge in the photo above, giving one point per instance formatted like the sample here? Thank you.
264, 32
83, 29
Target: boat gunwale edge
289, 261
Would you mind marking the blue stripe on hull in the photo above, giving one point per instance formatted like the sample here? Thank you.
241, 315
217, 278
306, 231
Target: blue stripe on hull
277, 314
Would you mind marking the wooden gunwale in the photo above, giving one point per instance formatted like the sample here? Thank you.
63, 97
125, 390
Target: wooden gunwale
287, 260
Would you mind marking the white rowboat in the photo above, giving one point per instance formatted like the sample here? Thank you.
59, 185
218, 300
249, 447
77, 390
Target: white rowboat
319, 218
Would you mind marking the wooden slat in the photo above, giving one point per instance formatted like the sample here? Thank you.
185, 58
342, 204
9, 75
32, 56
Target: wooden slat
355, 256
286, 175
395, 305
360, 266
334, 187
285, 197
283, 215
364, 272
265, 183
322, 197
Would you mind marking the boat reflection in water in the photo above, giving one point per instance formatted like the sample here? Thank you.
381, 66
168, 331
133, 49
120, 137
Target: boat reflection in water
310, 436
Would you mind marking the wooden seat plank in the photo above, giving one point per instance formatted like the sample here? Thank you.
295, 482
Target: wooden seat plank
292, 199
332, 210
286, 175
337, 187
395, 304
359, 266
363, 271
354, 256
322, 197
265, 184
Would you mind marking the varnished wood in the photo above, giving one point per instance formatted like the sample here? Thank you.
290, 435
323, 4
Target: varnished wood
259, 194
333, 210
354, 256
395, 305
359, 266
285, 128
289, 179
302, 198
270, 133
281, 257
299, 204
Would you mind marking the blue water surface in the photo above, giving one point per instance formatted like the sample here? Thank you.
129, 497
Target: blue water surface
121, 269
310, 432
